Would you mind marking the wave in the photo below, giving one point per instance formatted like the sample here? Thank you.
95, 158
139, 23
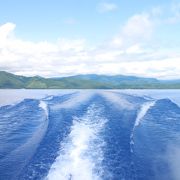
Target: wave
23, 138
22, 154
144, 109
81, 152
88, 135
142, 112
44, 106
74, 100
48, 97
118, 100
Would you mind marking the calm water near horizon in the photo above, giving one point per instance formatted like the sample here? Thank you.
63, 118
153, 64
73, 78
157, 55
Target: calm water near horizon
8, 96
90, 134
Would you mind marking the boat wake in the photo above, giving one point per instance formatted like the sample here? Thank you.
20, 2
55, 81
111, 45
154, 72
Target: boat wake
81, 153
141, 113
90, 135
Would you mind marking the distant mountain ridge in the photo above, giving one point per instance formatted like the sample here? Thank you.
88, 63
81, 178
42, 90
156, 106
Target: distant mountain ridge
89, 81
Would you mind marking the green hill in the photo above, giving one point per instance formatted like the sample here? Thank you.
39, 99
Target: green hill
92, 81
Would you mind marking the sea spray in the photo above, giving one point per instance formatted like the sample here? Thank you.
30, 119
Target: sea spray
81, 152
44, 107
142, 112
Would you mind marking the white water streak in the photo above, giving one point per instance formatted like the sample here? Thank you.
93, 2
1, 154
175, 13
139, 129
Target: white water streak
144, 109
81, 153
142, 112
44, 106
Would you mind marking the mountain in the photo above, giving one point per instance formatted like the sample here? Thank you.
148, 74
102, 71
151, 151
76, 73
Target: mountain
90, 81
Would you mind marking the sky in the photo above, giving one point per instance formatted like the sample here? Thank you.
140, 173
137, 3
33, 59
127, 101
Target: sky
55, 38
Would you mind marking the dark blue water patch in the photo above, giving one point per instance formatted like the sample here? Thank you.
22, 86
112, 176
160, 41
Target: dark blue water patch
168, 113
18, 127
60, 122
30, 141
133, 99
59, 126
117, 131
159, 130
18, 124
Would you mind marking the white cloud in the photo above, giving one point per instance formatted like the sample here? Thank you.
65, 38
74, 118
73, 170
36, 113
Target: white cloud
127, 53
138, 29
138, 26
106, 7
135, 49
6, 30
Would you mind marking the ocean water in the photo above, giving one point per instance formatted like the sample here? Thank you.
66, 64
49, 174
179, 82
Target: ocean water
90, 134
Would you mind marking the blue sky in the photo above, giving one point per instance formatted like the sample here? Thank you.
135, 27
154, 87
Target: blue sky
39, 20
77, 37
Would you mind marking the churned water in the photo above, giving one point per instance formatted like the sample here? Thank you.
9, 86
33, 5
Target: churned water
89, 135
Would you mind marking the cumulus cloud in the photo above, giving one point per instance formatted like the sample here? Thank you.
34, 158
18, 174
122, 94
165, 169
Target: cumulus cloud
6, 30
129, 52
106, 7
138, 29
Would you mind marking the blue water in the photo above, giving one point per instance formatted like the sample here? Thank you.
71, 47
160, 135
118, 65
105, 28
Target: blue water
90, 135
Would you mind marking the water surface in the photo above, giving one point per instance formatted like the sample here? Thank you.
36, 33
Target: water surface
89, 134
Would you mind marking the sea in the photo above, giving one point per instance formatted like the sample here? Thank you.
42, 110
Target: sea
89, 134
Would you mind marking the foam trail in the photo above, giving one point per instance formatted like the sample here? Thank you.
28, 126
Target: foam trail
142, 112
144, 109
49, 97
81, 153
44, 106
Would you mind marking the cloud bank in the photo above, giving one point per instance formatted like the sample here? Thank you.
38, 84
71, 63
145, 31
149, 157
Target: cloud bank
130, 52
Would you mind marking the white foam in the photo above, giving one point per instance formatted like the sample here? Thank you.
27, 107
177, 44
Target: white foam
44, 106
48, 98
144, 109
142, 112
82, 150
